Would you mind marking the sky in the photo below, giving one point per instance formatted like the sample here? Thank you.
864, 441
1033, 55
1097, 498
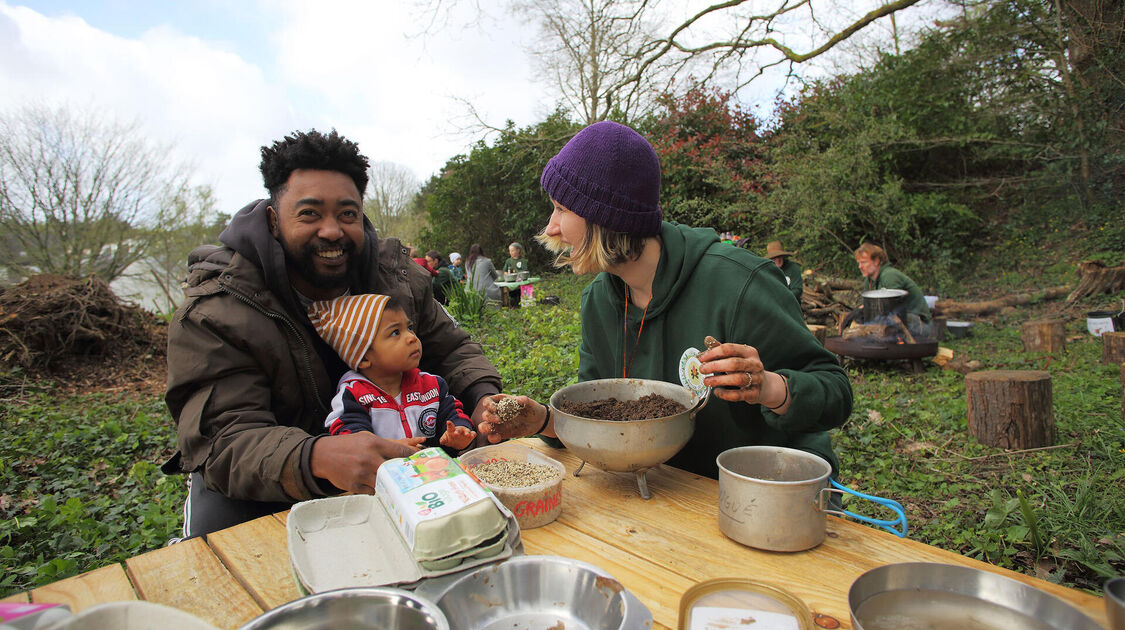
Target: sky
215, 80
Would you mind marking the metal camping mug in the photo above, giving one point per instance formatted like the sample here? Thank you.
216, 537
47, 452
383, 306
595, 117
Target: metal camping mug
1115, 603
775, 498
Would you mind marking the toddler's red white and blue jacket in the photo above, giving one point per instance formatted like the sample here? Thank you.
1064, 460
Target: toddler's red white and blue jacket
426, 404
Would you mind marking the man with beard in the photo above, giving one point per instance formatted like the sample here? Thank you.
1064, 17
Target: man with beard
249, 379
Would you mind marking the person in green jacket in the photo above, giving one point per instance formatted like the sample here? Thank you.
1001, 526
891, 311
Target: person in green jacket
792, 271
516, 261
879, 274
661, 289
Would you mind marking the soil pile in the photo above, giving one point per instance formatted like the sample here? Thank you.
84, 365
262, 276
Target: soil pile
650, 406
76, 330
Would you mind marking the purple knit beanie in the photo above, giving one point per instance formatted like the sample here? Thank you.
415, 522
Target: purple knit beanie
608, 174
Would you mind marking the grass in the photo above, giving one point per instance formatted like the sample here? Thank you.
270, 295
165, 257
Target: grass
80, 485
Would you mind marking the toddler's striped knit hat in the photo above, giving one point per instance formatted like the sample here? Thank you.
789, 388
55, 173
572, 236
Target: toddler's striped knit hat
348, 323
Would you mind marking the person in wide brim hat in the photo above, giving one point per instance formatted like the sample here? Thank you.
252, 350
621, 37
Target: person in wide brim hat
780, 257
774, 249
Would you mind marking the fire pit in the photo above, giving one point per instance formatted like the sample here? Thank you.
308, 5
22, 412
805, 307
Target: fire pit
883, 350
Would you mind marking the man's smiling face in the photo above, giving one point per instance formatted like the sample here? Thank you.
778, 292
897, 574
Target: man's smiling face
319, 223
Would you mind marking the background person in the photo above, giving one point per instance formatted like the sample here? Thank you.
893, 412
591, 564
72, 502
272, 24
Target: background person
443, 278
662, 288
515, 264
879, 274
456, 267
516, 261
384, 392
792, 271
481, 274
249, 380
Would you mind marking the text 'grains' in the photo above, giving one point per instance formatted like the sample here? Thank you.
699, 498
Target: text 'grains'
508, 473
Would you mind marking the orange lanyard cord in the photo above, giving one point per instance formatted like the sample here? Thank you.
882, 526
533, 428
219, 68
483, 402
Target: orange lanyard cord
625, 335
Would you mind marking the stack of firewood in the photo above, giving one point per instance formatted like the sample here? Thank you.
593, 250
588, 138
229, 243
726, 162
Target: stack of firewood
827, 301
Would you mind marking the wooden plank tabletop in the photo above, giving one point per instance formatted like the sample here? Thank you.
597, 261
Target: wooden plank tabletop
657, 548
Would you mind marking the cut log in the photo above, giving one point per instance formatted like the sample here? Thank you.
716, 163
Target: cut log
905, 331
1011, 408
949, 307
1044, 335
869, 330
818, 331
1113, 347
1095, 277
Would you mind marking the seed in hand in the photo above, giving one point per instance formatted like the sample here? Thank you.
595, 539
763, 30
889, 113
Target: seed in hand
507, 410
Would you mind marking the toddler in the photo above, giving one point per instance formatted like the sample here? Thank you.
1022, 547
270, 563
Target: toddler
385, 392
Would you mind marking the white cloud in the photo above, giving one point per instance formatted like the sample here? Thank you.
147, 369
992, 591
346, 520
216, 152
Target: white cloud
385, 85
357, 66
206, 101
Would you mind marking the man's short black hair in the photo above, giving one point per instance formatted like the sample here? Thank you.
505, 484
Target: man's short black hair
311, 150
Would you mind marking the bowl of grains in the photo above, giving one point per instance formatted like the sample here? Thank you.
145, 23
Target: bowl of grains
527, 482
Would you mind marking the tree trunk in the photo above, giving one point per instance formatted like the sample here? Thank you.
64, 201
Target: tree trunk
1011, 408
1113, 347
1044, 335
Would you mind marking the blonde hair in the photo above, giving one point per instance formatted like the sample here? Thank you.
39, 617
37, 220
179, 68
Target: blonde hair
872, 251
599, 250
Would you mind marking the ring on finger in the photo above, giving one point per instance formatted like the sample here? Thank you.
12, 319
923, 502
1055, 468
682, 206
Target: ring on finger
749, 381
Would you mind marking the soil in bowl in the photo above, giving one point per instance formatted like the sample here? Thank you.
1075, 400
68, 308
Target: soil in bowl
649, 406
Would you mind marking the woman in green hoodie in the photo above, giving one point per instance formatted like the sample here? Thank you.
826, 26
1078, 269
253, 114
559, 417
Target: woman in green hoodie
662, 288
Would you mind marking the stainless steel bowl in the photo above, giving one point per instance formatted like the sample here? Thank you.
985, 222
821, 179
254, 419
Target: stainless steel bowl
625, 445
939, 596
541, 592
357, 608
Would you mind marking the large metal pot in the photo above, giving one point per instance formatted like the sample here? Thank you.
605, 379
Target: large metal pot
775, 498
625, 445
881, 302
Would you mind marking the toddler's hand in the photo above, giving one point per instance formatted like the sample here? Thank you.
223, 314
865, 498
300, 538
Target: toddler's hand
457, 437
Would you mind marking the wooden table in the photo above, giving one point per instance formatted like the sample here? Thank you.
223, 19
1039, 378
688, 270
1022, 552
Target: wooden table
656, 548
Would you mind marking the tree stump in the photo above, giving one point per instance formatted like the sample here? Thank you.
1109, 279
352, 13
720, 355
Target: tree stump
1011, 408
1113, 347
1044, 335
818, 331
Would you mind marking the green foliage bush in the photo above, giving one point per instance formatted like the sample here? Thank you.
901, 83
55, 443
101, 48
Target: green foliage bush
80, 484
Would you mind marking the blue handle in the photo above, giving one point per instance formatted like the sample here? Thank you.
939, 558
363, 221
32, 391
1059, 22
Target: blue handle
897, 527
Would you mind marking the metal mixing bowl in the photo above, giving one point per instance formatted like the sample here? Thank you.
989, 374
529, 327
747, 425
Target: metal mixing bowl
541, 592
625, 445
348, 608
930, 595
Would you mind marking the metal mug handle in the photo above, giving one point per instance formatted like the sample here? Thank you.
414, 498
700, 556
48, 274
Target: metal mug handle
700, 404
896, 526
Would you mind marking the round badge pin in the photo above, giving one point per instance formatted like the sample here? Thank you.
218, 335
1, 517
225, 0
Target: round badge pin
690, 376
